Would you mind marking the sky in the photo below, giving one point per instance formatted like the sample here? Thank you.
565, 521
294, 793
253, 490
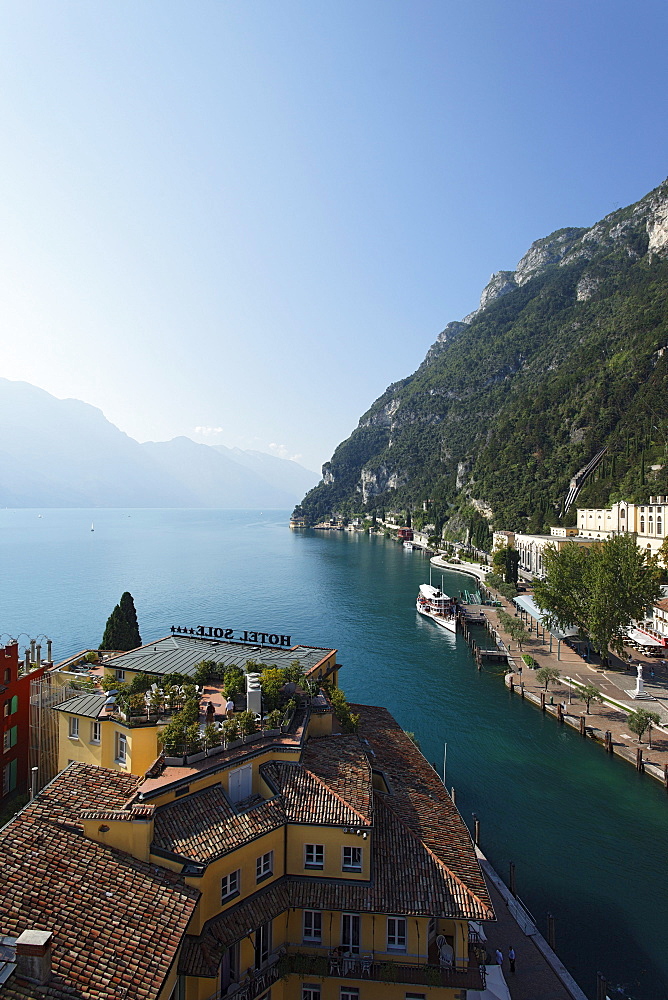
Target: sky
241, 220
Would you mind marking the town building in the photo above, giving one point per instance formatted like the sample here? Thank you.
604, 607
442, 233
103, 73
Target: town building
16, 677
306, 863
646, 520
531, 548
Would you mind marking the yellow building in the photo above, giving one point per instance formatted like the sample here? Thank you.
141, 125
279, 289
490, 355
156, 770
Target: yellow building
531, 548
309, 864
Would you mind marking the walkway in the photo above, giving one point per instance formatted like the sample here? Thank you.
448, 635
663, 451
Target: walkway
614, 683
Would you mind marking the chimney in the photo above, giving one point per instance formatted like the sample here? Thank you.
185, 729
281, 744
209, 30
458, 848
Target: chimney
32, 650
48, 650
27, 659
33, 956
39, 654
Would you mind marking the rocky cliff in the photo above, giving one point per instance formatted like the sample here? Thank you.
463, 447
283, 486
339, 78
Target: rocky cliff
563, 355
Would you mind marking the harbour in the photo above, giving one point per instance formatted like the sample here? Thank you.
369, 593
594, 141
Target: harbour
583, 832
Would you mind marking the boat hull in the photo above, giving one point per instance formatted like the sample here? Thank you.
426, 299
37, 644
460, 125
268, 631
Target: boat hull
449, 623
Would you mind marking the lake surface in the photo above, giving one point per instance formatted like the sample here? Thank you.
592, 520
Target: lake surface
586, 832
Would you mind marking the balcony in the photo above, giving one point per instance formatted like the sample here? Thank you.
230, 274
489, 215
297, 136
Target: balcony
320, 967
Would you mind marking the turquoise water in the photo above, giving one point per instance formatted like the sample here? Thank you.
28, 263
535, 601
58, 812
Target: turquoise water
587, 834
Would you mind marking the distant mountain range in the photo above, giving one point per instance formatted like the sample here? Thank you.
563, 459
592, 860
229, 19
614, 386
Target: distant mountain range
65, 453
566, 355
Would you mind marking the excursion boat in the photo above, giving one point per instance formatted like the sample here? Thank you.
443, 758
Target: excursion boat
434, 604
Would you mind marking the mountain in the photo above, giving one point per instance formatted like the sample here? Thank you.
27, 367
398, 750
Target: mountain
566, 355
281, 472
65, 453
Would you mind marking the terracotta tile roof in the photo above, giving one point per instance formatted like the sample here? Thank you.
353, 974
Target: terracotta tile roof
342, 764
204, 826
117, 922
662, 604
306, 798
420, 801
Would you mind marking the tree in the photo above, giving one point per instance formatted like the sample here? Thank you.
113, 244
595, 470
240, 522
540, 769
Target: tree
517, 631
122, 630
547, 675
599, 590
590, 693
639, 721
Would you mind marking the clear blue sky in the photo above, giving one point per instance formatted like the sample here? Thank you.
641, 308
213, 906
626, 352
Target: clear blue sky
251, 217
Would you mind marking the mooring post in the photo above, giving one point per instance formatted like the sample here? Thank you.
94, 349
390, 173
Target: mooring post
512, 685
476, 830
639, 762
551, 936
512, 885
608, 741
542, 700
601, 987
583, 725
522, 689
665, 776
560, 712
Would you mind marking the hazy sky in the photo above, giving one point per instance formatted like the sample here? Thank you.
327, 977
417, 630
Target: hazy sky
241, 220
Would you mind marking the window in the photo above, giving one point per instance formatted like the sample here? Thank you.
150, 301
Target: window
311, 991
74, 727
659, 530
9, 777
349, 993
642, 525
262, 944
14, 704
352, 859
312, 926
350, 932
121, 748
9, 738
264, 866
314, 856
240, 783
396, 934
8, 675
120, 674
5, 709
229, 885
416, 996
95, 728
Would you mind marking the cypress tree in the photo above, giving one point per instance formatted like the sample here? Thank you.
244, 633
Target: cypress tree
122, 630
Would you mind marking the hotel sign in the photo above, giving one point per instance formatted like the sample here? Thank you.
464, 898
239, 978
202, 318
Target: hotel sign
234, 635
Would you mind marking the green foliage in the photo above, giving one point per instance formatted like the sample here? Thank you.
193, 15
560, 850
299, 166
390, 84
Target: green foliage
213, 736
530, 662
246, 722
272, 681
274, 719
516, 401
347, 720
122, 631
234, 682
231, 731
599, 590
641, 720
590, 693
547, 675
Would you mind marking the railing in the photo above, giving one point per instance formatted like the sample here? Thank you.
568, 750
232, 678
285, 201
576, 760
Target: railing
320, 966
251, 987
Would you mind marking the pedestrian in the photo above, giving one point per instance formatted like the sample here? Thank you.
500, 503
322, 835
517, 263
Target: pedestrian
210, 714
229, 708
511, 959
499, 957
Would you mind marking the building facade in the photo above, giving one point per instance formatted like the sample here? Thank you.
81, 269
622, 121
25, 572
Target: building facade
15, 679
647, 521
304, 864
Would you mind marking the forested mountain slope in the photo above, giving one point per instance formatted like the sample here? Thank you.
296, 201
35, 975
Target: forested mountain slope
565, 356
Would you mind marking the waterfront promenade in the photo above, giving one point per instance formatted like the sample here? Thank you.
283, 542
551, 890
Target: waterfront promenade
614, 683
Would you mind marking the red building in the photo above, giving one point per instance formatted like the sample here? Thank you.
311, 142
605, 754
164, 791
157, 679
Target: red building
15, 720
406, 534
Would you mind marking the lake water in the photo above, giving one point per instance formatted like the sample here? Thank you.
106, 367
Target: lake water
587, 834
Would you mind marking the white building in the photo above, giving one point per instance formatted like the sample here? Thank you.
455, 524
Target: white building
647, 520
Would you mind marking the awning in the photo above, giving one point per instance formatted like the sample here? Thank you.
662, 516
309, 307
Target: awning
526, 603
642, 638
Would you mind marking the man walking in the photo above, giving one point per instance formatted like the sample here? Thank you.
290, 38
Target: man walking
511, 959
499, 957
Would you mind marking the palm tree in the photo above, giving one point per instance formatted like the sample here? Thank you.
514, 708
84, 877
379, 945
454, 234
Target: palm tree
590, 693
